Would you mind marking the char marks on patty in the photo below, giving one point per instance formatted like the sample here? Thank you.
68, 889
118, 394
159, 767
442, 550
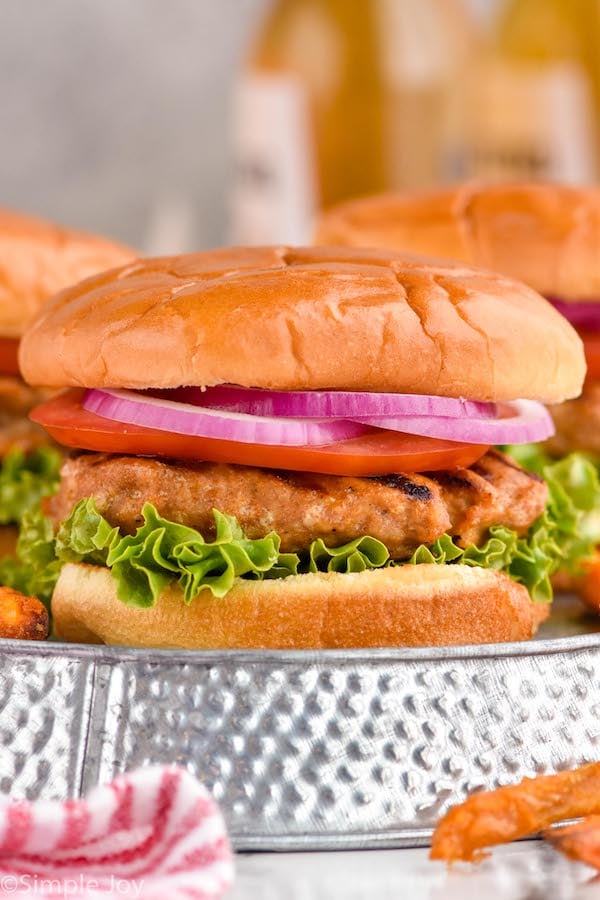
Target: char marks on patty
405, 484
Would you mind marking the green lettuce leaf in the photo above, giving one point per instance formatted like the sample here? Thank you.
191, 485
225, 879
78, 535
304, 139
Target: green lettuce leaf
25, 479
574, 507
535, 458
573, 496
530, 560
442, 551
36, 568
563, 537
162, 552
356, 556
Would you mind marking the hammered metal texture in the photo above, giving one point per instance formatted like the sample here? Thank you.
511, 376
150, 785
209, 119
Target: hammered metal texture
44, 703
301, 750
362, 750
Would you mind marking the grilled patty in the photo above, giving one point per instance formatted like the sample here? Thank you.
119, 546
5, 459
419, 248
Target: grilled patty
402, 510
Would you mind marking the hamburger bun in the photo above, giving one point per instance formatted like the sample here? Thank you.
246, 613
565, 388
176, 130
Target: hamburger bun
305, 319
37, 259
425, 605
546, 235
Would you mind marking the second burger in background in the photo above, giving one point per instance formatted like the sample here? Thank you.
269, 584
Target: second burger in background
548, 236
291, 448
37, 259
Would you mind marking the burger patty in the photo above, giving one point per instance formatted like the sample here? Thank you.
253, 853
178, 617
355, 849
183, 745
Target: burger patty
401, 510
577, 423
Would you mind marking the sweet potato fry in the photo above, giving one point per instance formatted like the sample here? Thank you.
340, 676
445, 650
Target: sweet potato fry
580, 841
503, 815
22, 617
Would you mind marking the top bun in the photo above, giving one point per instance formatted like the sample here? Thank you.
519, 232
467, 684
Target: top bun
546, 235
37, 259
308, 318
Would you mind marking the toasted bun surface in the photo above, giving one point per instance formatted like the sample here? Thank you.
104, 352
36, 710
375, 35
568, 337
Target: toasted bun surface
546, 235
311, 318
37, 259
427, 605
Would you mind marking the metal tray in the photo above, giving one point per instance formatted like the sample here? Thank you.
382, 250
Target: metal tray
305, 749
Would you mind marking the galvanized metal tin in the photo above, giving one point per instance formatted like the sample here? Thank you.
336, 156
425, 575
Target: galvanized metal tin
304, 750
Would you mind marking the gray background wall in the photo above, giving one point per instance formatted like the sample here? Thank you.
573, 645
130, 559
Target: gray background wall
114, 113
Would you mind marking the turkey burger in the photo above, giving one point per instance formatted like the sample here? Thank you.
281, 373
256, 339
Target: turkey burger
291, 448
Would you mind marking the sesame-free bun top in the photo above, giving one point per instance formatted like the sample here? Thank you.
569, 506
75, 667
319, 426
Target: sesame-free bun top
37, 259
546, 235
305, 319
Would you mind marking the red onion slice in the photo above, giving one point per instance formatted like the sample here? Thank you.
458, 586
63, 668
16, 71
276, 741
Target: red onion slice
580, 313
131, 408
342, 404
520, 422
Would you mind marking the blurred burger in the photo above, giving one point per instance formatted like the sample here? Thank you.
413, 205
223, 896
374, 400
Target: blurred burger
283, 447
546, 235
37, 259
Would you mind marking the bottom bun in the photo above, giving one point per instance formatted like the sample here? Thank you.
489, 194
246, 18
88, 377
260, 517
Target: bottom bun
407, 606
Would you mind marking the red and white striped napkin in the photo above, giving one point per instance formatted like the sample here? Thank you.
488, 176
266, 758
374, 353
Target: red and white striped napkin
153, 834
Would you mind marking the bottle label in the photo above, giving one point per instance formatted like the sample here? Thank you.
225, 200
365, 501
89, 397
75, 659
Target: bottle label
533, 122
274, 192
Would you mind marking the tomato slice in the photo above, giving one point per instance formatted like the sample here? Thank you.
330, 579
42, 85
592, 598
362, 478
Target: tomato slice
591, 346
9, 356
375, 453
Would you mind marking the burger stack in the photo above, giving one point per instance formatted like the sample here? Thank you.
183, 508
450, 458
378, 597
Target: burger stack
294, 447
